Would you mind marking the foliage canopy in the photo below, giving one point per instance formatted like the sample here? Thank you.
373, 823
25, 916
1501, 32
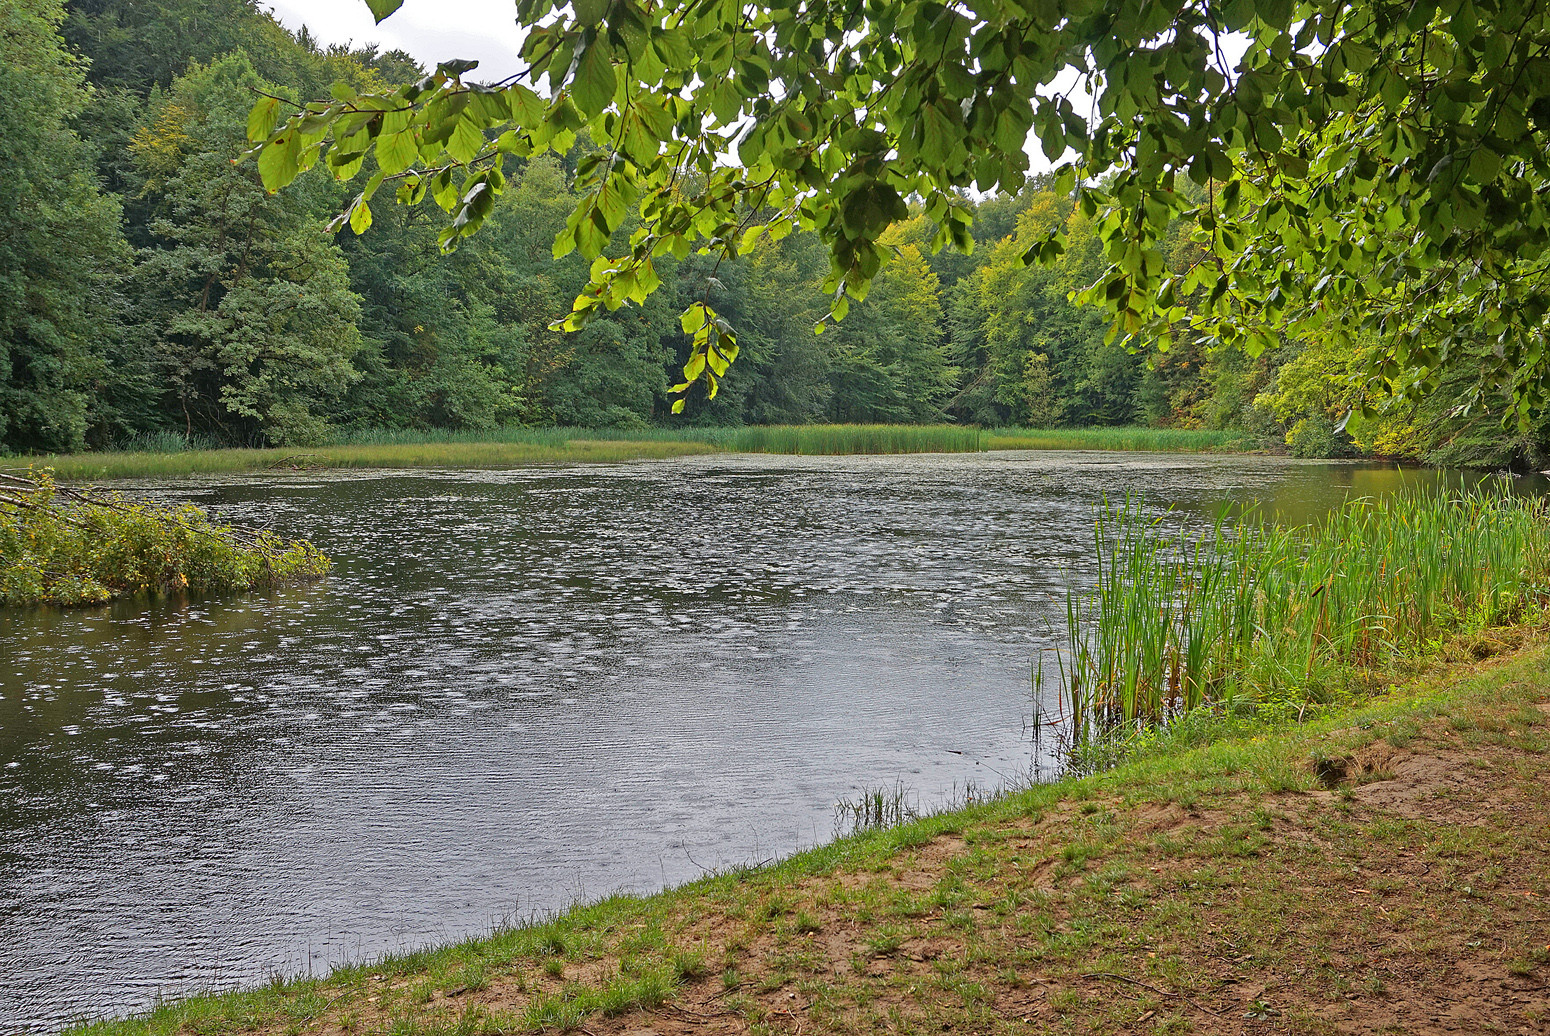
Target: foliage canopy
1365, 171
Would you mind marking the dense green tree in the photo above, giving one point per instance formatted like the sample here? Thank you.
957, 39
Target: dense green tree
60, 245
889, 360
1358, 155
242, 321
612, 373
138, 46
243, 301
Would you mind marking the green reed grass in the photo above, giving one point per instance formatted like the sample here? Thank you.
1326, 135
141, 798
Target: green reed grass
83, 467
1158, 440
833, 439
1261, 613
838, 439
501, 448
517, 434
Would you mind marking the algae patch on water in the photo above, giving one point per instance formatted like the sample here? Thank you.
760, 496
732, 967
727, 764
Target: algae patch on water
73, 547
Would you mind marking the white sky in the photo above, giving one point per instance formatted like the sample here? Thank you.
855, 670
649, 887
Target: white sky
431, 30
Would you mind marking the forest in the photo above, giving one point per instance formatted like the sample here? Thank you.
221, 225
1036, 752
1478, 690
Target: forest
154, 295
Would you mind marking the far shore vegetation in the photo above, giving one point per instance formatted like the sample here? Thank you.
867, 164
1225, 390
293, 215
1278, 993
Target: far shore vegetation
169, 456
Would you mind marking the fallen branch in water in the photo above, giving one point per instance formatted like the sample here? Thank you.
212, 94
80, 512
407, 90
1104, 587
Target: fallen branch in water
72, 546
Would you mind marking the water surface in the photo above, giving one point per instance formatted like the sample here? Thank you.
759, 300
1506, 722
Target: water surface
520, 688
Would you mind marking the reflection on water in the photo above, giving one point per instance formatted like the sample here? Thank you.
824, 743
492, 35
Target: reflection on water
518, 688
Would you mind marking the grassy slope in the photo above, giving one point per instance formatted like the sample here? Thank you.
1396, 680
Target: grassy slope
519, 447
1217, 889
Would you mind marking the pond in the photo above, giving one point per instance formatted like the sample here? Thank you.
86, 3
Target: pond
523, 688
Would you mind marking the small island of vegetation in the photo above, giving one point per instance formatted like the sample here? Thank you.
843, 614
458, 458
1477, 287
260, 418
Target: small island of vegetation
67, 546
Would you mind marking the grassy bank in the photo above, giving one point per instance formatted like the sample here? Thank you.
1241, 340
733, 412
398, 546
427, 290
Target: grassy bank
519, 447
1377, 870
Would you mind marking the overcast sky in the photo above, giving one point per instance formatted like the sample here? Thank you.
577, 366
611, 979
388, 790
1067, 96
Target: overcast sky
431, 30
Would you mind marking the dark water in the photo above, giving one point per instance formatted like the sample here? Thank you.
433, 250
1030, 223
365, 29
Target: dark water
520, 688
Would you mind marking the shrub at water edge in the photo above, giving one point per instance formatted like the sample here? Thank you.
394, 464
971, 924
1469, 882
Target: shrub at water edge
66, 547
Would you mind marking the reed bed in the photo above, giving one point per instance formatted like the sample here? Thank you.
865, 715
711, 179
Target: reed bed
520, 434
1254, 612
501, 448
817, 439
82, 467
840, 439
169, 455
1156, 440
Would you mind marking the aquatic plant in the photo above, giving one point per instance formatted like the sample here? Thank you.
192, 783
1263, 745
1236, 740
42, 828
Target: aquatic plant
70, 547
875, 809
1258, 613
841, 439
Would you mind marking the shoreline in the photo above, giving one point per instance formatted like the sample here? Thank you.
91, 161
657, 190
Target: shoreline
527, 448
1343, 870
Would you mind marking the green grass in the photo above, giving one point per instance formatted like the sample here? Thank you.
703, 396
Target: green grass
1157, 440
1259, 613
170, 456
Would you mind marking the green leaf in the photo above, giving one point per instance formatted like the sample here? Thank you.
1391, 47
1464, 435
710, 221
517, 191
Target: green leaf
360, 216
397, 151
380, 9
939, 136
674, 48
694, 318
590, 12
262, 119
612, 205
594, 85
527, 108
278, 162
467, 138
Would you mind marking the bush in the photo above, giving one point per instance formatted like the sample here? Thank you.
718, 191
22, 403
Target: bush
58, 546
1314, 438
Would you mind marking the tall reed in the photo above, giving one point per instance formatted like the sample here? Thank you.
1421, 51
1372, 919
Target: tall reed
837, 439
1253, 611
